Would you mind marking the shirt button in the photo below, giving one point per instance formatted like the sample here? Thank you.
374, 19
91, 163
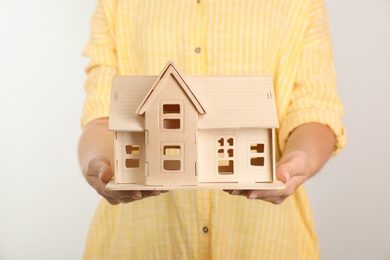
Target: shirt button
205, 229
198, 1
197, 50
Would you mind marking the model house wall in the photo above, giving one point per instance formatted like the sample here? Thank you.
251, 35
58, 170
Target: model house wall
236, 155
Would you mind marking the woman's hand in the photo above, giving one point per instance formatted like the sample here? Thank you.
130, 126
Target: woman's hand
99, 172
292, 169
307, 150
95, 156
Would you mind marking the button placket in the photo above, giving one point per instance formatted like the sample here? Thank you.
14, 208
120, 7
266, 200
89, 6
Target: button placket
197, 40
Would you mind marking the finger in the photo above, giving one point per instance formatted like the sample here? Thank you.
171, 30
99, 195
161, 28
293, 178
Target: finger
130, 196
283, 173
290, 167
293, 164
274, 200
261, 194
105, 173
234, 192
123, 195
277, 196
99, 173
99, 166
94, 175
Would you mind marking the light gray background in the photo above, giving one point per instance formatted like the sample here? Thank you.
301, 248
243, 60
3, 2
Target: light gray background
45, 205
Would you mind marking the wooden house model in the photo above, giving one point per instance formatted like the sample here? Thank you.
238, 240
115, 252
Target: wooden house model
197, 132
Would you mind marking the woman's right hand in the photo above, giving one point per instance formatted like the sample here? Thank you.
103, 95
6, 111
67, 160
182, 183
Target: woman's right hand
95, 154
99, 172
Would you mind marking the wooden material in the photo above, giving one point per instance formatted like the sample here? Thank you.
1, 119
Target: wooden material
199, 132
200, 186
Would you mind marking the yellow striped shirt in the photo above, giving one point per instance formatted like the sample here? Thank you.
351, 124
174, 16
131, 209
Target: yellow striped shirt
288, 39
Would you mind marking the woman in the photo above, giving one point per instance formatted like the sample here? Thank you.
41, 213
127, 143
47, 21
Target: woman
288, 39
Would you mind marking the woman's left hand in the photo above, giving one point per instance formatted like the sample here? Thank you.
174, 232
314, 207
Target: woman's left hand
308, 148
292, 169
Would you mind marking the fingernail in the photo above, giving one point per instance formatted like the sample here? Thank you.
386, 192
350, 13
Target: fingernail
136, 196
252, 196
287, 176
100, 176
235, 192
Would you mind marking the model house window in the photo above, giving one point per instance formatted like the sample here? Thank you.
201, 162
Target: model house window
131, 154
172, 156
257, 154
226, 153
172, 115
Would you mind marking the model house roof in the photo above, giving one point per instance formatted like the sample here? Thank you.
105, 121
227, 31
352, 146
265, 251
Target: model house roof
243, 101
170, 70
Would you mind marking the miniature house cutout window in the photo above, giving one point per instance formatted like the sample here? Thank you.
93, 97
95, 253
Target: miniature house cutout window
131, 156
171, 116
257, 154
172, 156
225, 147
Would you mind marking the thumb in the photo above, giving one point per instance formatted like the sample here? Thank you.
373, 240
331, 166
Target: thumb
105, 173
100, 168
292, 164
283, 172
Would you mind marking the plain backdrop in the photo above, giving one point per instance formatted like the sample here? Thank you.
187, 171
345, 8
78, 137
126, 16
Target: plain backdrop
46, 206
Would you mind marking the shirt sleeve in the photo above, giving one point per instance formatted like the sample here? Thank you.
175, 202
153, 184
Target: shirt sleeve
314, 96
102, 65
